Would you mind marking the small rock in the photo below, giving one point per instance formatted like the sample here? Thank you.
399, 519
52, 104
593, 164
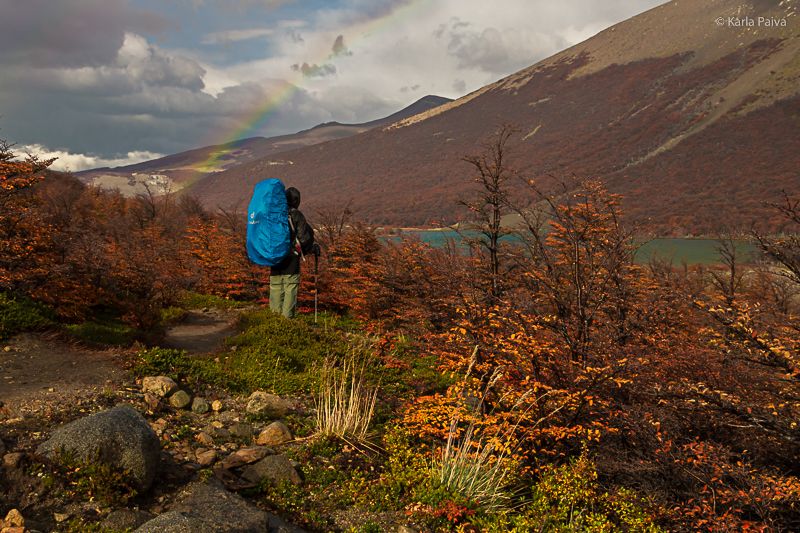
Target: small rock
204, 439
206, 458
216, 405
7, 349
61, 517
242, 430
161, 386
14, 519
151, 401
218, 433
227, 417
200, 406
13, 460
180, 399
159, 425
261, 403
275, 468
245, 456
274, 434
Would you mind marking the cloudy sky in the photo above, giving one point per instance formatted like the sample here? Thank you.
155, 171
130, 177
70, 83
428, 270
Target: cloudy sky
108, 82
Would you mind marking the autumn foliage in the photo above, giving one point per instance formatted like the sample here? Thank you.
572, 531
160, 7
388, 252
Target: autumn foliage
681, 392
681, 387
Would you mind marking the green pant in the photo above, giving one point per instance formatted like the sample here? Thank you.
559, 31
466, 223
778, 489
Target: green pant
283, 294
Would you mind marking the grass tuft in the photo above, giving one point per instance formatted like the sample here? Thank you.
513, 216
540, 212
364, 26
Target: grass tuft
473, 469
345, 402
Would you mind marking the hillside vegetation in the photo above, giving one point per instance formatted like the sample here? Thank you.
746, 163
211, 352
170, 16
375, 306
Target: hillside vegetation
544, 383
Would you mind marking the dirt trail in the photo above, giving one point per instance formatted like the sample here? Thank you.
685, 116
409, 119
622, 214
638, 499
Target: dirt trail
40, 369
201, 332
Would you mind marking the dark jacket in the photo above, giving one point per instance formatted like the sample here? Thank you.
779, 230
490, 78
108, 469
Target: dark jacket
303, 232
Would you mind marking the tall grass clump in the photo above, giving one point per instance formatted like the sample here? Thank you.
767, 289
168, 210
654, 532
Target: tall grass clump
474, 469
345, 401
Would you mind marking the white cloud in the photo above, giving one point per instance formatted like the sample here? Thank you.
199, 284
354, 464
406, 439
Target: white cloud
150, 65
449, 47
363, 59
67, 161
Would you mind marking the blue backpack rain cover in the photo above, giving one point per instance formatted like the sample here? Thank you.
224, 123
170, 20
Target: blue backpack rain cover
268, 237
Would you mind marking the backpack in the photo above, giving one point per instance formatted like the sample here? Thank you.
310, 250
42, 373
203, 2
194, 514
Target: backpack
268, 234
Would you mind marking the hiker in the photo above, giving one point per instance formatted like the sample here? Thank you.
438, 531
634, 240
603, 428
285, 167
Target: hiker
284, 279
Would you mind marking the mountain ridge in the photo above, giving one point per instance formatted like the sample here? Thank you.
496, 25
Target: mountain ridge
173, 172
666, 128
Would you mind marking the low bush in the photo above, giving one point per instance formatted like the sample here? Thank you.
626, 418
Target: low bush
95, 480
569, 498
22, 314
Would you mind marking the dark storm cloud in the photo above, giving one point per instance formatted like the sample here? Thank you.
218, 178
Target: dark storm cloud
42, 33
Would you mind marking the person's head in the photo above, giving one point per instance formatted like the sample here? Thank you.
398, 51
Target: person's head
293, 197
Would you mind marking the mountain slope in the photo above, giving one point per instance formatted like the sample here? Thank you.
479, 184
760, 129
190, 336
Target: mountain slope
178, 170
696, 123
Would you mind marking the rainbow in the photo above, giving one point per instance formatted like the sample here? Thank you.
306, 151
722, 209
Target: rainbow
251, 122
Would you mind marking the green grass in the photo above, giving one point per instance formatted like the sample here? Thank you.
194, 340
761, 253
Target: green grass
279, 354
182, 367
270, 352
21, 314
194, 300
172, 315
103, 332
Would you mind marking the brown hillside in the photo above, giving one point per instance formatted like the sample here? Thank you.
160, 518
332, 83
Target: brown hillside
179, 170
696, 123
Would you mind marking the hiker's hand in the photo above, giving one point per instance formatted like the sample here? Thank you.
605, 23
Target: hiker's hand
315, 249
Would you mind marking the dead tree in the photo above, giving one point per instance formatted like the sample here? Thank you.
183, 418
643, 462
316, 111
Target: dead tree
491, 174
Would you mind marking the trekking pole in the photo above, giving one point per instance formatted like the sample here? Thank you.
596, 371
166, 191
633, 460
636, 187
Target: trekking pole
316, 275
